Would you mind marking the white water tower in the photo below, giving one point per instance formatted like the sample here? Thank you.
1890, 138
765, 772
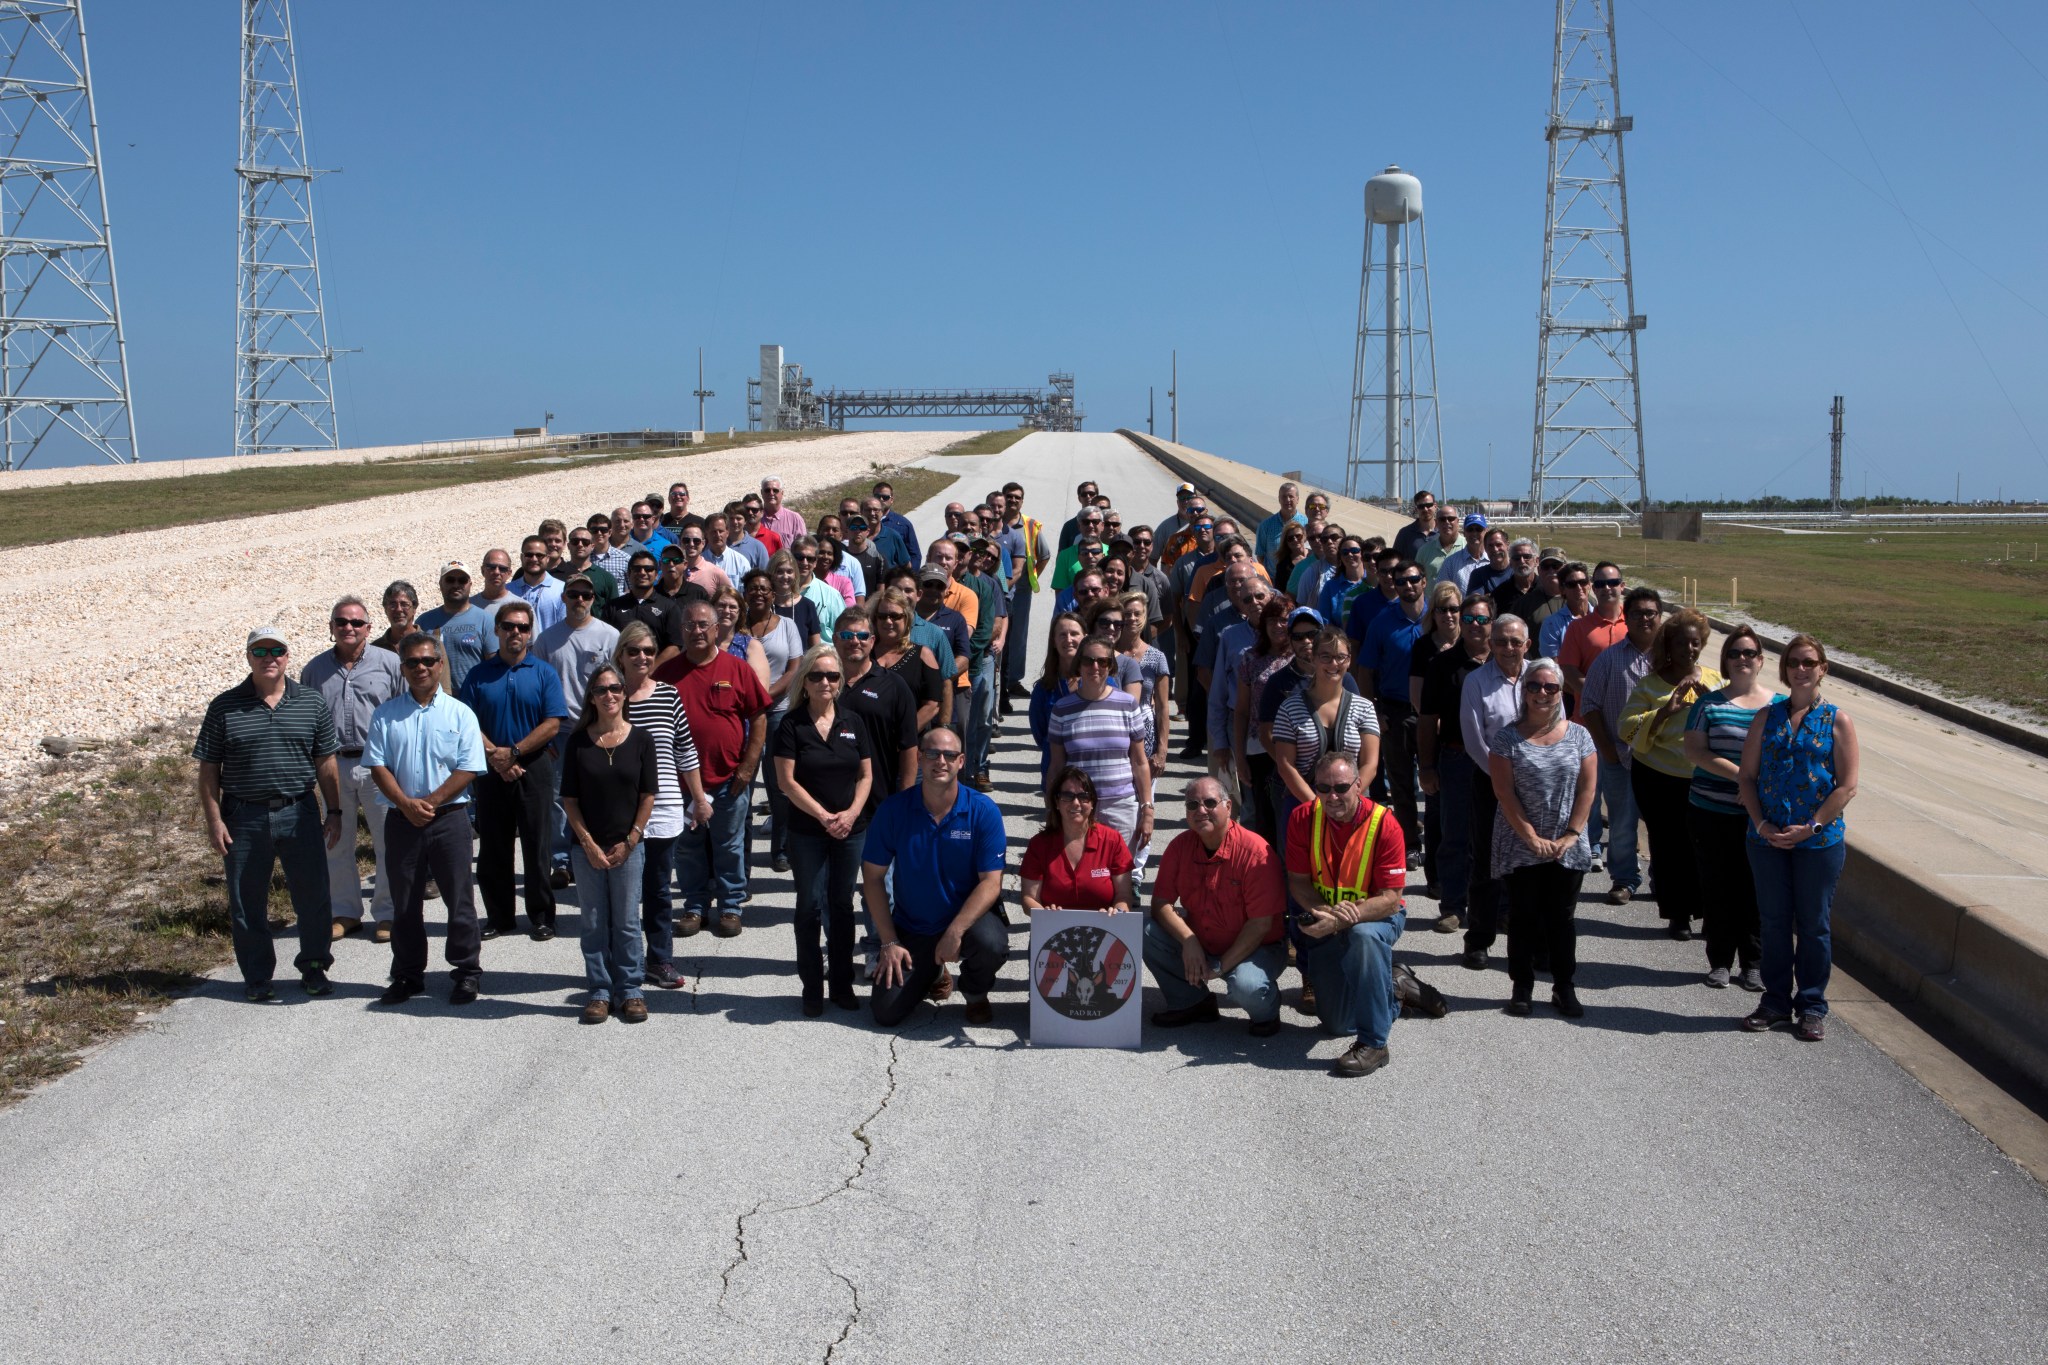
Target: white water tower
1396, 441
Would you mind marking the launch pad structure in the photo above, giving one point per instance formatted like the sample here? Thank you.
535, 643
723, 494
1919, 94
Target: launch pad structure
784, 398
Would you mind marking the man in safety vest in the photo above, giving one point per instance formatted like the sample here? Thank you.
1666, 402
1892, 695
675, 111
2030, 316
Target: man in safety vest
1346, 867
1024, 538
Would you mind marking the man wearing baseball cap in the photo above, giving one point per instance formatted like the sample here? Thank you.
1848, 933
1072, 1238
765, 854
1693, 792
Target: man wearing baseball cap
463, 629
1459, 565
263, 747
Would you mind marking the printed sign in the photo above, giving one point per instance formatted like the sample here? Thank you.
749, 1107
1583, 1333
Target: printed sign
1087, 979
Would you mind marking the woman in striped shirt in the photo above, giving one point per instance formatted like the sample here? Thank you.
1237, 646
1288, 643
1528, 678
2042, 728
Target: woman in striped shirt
1098, 728
1714, 816
1323, 714
656, 708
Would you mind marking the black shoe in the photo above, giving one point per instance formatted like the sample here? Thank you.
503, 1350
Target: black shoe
846, 999
258, 992
1519, 1006
464, 993
314, 982
542, 933
1567, 1002
1475, 958
780, 862
1200, 1013
1264, 1028
490, 931
813, 1007
558, 877
398, 992
1680, 930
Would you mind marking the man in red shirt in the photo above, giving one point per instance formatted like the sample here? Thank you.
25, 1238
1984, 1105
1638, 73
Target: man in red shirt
1347, 865
1217, 912
728, 713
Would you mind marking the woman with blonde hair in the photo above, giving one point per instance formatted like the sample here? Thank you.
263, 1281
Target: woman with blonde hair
609, 785
825, 767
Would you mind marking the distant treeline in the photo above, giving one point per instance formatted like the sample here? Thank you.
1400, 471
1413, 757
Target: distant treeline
1776, 504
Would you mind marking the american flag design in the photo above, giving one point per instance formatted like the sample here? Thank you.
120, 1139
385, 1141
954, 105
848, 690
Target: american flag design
1085, 973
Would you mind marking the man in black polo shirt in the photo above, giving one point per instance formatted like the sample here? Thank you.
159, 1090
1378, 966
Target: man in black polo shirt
264, 745
1447, 771
642, 602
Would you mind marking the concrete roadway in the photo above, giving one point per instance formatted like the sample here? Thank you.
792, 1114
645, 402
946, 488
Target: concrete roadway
325, 1180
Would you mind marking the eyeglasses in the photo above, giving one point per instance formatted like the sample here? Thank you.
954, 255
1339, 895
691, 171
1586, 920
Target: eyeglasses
1334, 789
946, 755
1608, 584
1745, 654
1545, 689
640, 651
515, 627
855, 635
422, 661
819, 675
1203, 802
1083, 797
344, 623
1523, 558
266, 651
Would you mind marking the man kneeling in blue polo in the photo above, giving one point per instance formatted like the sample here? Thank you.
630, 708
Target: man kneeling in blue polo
947, 844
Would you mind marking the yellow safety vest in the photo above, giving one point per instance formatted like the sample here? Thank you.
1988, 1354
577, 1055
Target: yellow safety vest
1354, 872
1033, 531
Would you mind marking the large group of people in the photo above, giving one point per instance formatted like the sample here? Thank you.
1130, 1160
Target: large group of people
622, 699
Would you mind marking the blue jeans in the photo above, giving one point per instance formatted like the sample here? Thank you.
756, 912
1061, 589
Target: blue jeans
1454, 777
711, 860
1252, 985
1618, 796
827, 871
609, 901
981, 712
1795, 890
263, 838
1353, 974
657, 910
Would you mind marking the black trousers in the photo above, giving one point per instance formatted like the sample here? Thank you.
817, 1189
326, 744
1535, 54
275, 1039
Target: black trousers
1482, 900
1397, 766
983, 950
1663, 801
1265, 818
1720, 845
523, 811
411, 855
1542, 917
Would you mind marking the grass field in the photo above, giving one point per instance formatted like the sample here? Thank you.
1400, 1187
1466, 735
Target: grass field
41, 516
1965, 608
987, 443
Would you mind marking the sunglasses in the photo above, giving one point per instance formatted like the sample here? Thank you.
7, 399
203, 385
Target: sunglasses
515, 627
1205, 526
855, 635
579, 596
691, 542
1447, 521
1094, 661
1082, 797
1545, 689
422, 661
1353, 551
266, 651
1449, 608
497, 568
1334, 789
889, 616
819, 675
1479, 620
608, 690
1745, 654
1111, 622
1573, 582
1302, 637
1801, 664
640, 651
1409, 580
1608, 584
344, 623
1203, 802
946, 755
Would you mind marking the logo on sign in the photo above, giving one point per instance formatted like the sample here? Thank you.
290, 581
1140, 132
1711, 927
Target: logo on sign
1085, 973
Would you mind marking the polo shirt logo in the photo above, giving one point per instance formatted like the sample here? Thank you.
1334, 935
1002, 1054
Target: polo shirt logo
959, 834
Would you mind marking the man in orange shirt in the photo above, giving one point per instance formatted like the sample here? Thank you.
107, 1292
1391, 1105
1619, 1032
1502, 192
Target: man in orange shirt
1586, 637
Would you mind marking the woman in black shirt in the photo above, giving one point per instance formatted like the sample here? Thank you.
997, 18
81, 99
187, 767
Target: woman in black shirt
889, 613
609, 782
824, 764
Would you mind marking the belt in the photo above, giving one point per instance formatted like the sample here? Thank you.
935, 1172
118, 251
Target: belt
276, 803
450, 807
348, 753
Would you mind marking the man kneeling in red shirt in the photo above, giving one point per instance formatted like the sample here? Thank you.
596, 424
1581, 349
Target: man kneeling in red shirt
1217, 912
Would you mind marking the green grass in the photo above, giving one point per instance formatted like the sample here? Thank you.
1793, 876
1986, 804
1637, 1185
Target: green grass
987, 443
1943, 604
42, 516
911, 485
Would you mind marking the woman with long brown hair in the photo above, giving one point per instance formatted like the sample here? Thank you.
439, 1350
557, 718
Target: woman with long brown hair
1076, 862
609, 783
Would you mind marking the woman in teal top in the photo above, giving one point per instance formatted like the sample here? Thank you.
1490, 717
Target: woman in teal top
1799, 766
1714, 735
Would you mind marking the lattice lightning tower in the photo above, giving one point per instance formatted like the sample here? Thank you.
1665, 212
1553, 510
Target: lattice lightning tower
1589, 400
63, 360
284, 368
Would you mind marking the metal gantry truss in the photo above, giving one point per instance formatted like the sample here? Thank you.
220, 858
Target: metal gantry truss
1048, 409
1589, 402
284, 367
63, 358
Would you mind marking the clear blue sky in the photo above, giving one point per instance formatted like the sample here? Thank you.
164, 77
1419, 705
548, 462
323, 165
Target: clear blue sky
553, 206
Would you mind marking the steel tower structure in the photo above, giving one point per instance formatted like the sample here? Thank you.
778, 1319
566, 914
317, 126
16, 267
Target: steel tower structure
1394, 370
284, 368
1589, 398
63, 357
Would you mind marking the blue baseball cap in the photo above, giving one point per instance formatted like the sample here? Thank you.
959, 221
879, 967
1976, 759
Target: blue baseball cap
1475, 520
1299, 612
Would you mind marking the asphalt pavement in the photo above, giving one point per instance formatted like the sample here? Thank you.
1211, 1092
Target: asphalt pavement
327, 1180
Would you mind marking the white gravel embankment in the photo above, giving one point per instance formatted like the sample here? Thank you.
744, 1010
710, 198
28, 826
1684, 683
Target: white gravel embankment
101, 637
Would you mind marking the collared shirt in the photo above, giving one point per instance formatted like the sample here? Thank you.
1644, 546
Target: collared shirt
545, 597
1550, 632
989, 604
721, 698
614, 561
1587, 637
1488, 579
1431, 554
1613, 675
510, 700
787, 523
735, 564
266, 751
708, 576
751, 550
465, 637
423, 746
353, 694
905, 532
1389, 650
1217, 892
935, 639
1306, 584
1331, 596
1232, 640
662, 614
1489, 700
938, 862
1457, 567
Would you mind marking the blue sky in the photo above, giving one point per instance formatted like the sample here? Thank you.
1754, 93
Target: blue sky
547, 206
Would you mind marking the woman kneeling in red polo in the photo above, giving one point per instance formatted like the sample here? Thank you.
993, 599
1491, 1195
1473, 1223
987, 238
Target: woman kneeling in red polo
1075, 863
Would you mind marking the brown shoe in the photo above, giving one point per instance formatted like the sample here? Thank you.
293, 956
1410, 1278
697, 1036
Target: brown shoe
1307, 1004
1360, 1060
728, 925
634, 1011
597, 1011
344, 925
1448, 924
382, 933
980, 1011
690, 925
941, 987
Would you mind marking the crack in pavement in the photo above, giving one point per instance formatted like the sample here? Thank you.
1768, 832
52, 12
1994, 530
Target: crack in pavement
696, 981
739, 1234
853, 1319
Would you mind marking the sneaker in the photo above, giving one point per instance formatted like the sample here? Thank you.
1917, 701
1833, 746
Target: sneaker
1750, 979
1201, 1012
1360, 1060
1812, 1028
665, 975
1619, 895
1763, 1021
259, 992
398, 992
1718, 978
597, 1011
1448, 924
314, 982
634, 1011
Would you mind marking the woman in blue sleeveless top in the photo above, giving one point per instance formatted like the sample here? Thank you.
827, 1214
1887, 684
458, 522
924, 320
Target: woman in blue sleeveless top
1798, 773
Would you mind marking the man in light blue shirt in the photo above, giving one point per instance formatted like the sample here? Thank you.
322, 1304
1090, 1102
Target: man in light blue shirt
1267, 546
535, 586
423, 751
1458, 566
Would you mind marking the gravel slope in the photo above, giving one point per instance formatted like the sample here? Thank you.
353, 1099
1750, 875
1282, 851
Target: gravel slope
185, 598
